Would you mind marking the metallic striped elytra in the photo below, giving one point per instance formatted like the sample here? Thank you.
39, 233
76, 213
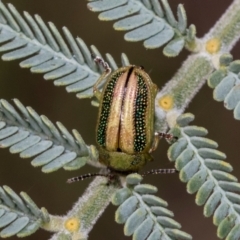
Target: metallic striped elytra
125, 128
126, 112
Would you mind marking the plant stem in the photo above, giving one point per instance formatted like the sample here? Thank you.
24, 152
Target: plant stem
80, 220
172, 100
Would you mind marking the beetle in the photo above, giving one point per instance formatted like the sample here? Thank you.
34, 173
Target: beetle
125, 128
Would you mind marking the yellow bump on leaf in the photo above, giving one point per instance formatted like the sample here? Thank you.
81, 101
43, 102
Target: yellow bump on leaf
213, 45
72, 224
166, 102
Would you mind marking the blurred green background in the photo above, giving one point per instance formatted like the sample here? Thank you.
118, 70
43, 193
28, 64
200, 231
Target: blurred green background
51, 190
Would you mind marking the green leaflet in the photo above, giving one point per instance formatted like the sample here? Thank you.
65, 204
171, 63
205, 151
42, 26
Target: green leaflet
148, 21
183, 158
216, 77
178, 234
144, 32
234, 66
204, 192
225, 59
182, 19
25, 132
19, 215
184, 120
143, 229
174, 47
202, 167
220, 213
126, 209
223, 88
225, 82
225, 226
234, 234
196, 181
168, 222
145, 189
159, 39
14, 227
135, 201
188, 171
67, 62
130, 23
134, 221
31, 228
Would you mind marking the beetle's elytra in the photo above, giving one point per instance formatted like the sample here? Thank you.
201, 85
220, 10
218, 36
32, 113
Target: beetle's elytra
125, 128
126, 108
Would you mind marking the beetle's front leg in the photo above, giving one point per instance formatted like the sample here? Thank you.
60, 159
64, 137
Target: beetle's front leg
107, 71
157, 136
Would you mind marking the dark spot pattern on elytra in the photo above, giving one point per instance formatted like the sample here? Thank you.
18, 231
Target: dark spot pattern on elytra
140, 114
106, 105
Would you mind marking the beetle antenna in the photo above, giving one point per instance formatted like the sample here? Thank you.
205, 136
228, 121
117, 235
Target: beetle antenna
101, 62
160, 171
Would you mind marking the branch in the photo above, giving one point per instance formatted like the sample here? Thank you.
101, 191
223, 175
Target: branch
172, 100
79, 221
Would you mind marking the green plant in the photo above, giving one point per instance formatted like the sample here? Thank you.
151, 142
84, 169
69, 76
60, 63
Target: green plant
199, 174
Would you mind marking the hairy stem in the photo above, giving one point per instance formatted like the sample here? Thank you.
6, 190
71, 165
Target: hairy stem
227, 28
172, 100
80, 220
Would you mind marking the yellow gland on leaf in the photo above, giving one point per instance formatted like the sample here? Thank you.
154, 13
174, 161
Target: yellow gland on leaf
166, 102
72, 224
213, 45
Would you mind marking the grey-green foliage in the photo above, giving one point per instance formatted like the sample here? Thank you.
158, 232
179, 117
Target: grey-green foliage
29, 134
45, 51
201, 165
148, 21
19, 214
226, 84
145, 215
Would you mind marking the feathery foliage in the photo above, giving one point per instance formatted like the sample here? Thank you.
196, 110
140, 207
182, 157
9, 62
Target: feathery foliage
68, 63
145, 216
207, 175
226, 83
19, 214
148, 21
32, 135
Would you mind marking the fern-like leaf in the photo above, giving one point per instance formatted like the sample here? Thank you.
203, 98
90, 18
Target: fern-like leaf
201, 165
145, 216
19, 215
32, 135
226, 84
148, 21
47, 52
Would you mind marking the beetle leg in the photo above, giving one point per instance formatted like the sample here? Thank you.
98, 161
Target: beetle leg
155, 143
104, 64
167, 136
107, 71
157, 137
